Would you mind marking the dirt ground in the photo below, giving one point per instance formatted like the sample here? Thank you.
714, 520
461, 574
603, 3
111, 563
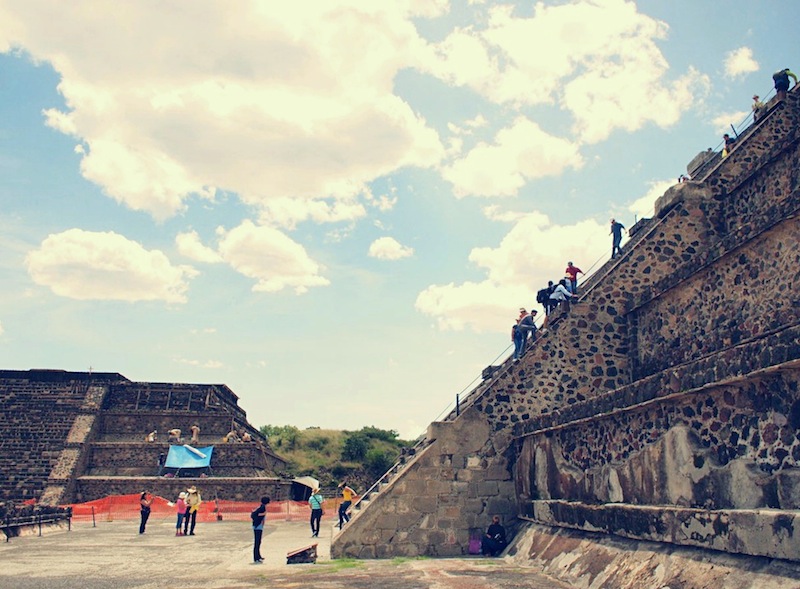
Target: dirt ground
114, 556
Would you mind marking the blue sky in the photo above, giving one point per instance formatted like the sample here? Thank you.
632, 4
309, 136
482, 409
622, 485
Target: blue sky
337, 207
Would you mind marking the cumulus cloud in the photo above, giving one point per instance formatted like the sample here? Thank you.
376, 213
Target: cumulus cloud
89, 265
189, 245
269, 256
740, 62
643, 207
388, 248
533, 252
519, 153
722, 122
597, 60
158, 123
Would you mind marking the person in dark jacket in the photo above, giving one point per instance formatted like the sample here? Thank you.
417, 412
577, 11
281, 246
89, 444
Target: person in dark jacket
494, 540
258, 515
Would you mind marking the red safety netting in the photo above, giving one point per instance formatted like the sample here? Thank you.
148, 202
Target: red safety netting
126, 507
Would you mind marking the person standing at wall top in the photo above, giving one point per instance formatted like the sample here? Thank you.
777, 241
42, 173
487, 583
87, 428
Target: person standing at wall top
195, 429
616, 240
781, 79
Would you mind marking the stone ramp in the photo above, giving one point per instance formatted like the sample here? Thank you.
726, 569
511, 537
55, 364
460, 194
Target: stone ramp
585, 560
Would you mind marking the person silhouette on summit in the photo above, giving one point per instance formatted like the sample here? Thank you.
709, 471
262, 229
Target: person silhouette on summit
781, 79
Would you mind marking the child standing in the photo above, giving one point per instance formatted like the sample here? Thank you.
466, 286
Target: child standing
180, 509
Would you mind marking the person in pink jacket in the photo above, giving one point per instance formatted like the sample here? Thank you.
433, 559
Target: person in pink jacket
180, 509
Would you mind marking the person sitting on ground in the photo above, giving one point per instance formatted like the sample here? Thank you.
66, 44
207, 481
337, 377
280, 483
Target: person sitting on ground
231, 437
246, 437
729, 142
494, 540
151, 437
174, 435
572, 272
561, 295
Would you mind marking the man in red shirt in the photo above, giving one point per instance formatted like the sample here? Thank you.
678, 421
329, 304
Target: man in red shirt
572, 272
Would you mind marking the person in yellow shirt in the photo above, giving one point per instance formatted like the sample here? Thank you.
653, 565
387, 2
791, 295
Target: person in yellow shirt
193, 501
347, 501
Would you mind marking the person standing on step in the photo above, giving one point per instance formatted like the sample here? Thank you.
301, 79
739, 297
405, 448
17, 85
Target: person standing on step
315, 502
174, 435
195, 429
527, 326
347, 501
616, 240
193, 501
258, 515
180, 510
572, 272
145, 501
758, 108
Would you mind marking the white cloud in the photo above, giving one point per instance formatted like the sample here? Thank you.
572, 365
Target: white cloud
270, 257
88, 265
643, 207
388, 248
740, 62
1, 328
189, 245
520, 153
288, 212
200, 363
203, 331
158, 123
533, 252
597, 59
722, 122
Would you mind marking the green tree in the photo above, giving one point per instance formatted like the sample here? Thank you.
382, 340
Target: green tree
377, 462
356, 446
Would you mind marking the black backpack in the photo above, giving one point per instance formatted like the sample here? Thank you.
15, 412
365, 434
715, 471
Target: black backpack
542, 296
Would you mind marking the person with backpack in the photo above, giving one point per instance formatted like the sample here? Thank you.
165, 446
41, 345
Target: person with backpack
781, 79
258, 515
315, 501
542, 297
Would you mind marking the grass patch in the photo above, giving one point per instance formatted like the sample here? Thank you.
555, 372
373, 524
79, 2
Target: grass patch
340, 564
405, 559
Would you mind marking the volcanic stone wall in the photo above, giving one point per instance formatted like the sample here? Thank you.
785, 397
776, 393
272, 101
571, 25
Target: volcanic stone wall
707, 432
669, 390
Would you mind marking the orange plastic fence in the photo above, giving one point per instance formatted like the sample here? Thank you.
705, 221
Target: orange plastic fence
126, 507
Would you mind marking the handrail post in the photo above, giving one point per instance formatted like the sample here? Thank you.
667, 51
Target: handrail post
458, 406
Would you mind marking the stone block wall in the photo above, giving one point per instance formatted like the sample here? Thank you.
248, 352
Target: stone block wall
141, 459
733, 446
449, 492
40, 410
229, 489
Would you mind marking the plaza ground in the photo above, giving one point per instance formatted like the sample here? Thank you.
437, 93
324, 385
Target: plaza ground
114, 556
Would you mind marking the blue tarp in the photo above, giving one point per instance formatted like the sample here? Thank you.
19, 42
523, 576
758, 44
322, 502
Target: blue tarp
183, 457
